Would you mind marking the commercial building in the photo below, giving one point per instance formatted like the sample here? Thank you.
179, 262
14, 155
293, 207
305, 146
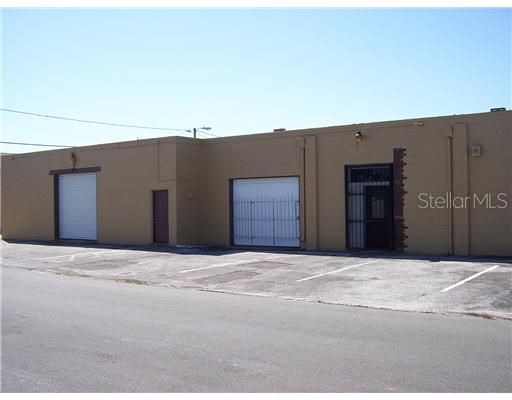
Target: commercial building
439, 185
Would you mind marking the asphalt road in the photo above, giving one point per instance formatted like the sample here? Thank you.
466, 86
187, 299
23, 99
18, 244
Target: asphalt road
77, 334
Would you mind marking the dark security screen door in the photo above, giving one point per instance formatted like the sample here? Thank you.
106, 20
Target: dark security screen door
369, 203
160, 216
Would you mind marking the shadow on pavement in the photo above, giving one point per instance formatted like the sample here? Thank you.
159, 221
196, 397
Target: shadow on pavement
221, 250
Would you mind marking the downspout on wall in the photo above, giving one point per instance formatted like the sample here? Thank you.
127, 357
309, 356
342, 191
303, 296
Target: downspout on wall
301, 144
460, 189
308, 192
311, 192
448, 133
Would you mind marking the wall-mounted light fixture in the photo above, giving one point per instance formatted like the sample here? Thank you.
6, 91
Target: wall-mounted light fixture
418, 123
359, 136
73, 160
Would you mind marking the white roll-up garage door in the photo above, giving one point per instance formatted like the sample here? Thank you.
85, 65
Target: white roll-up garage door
266, 212
77, 206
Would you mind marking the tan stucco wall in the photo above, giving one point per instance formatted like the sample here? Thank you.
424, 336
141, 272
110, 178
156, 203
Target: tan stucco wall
240, 158
27, 198
424, 171
197, 174
491, 229
190, 171
129, 173
476, 231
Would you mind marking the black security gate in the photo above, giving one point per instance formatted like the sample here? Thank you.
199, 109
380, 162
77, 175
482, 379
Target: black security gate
369, 206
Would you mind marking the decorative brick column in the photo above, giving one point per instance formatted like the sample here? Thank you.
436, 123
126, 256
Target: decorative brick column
399, 235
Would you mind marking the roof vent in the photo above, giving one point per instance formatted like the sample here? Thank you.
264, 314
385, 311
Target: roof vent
279, 130
498, 109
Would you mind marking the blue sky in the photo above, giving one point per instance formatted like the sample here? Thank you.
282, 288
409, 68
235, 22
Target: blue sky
245, 71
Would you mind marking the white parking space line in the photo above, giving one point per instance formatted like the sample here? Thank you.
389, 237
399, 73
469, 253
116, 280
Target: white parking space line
468, 279
71, 257
335, 271
219, 265
239, 262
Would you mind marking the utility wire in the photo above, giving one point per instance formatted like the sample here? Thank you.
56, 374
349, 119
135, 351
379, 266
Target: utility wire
208, 137
207, 133
36, 144
203, 137
92, 122
61, 145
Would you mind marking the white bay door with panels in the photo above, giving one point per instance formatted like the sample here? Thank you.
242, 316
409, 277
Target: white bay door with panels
265, 212
77, 206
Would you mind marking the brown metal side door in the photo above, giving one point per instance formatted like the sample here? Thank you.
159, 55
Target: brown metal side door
160, 216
